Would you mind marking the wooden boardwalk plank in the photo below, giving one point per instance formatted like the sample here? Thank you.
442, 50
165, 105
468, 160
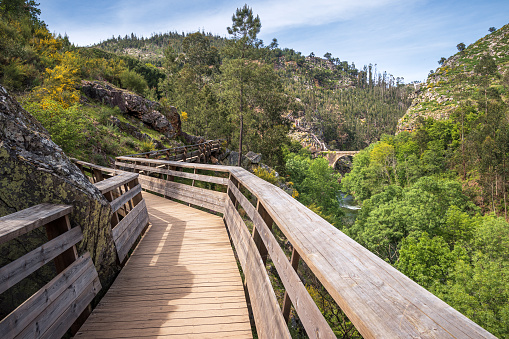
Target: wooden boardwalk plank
181, 281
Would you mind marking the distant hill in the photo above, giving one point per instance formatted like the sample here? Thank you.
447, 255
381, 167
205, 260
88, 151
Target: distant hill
150, 49
460, 79
347, 108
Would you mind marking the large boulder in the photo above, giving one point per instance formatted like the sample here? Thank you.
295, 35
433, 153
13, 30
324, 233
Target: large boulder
34, 170
165, 121
250, 160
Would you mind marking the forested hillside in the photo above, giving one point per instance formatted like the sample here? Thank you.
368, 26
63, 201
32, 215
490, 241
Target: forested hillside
348, 108
151, 50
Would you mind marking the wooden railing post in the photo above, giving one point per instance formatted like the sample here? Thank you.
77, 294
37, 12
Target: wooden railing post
138, 197
256, 236
114, 218
80, 167
171, 177
184, 155
98, 175
287, 303
54, 229
230, 194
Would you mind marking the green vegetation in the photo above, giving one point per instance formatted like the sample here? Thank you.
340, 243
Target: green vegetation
460, 78
434, 205
346, 107
434, 201
316, 183
46, 72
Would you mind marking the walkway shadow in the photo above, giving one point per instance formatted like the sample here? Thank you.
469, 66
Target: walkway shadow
151, 286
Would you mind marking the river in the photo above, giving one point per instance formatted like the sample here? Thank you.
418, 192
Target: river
348, 206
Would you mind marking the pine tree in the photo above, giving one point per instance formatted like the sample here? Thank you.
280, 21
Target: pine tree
244, 31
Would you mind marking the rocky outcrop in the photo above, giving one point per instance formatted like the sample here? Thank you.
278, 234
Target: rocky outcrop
165, 121
129, 129
254, 158
34, 170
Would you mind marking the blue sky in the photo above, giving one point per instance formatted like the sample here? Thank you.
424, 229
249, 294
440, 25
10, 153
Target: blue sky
406, 38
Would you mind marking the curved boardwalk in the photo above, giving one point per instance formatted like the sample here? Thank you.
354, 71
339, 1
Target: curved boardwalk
182, 281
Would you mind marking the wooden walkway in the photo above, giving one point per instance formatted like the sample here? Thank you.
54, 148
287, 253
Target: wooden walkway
182, 281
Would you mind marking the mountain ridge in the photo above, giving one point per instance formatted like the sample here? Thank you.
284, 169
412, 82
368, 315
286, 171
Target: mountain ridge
457, 80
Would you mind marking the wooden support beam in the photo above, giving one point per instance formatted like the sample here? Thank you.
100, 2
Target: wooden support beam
80, 167
114, 217
98, 175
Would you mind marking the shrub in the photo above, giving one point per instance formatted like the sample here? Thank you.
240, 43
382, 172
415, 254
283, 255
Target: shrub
65, 124
60, 82
133, 81
269, 176
147, 146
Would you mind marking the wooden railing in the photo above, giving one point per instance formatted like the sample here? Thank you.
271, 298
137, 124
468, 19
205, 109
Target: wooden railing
379, 300
190, 153
49, 312
123, 191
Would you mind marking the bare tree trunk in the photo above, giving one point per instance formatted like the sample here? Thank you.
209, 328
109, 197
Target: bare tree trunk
240, 139
241, 121
493, 198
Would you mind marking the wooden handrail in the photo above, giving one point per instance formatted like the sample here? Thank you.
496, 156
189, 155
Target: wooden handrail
379, 300
52, 310
189, 153
129, 211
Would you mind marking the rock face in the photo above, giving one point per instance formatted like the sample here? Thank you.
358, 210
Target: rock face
132, 104
34, 170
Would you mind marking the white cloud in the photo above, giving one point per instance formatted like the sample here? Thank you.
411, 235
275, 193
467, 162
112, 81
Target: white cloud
162, 16
277, 15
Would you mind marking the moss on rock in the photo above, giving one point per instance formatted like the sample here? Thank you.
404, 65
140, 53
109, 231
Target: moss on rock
34, 170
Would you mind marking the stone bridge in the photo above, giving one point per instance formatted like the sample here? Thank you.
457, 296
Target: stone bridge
334, 156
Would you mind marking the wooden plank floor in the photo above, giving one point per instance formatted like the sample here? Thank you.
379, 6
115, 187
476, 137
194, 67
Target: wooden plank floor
182, 281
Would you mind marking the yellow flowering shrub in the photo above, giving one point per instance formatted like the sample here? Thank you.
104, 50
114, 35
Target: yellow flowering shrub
47, 47
60, 82
269, 176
